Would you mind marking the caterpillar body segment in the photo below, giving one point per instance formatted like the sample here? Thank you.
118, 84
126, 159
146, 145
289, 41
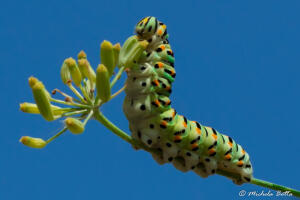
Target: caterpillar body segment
155, 123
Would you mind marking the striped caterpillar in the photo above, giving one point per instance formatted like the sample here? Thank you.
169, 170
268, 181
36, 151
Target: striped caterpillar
156, 124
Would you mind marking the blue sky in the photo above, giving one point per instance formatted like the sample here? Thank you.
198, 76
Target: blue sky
237, 66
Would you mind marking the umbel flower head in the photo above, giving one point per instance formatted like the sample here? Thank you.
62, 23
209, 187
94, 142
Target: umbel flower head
79, 76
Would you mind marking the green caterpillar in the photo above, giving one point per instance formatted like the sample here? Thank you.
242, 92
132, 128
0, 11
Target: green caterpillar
155, 123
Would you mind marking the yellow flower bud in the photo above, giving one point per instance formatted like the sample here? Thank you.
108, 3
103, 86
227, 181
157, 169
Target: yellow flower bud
87, 70
131, 51
107, 56
74, 125
29, 108
128, 45
41, 97
32, 80
65, 73
33, 142
33, 109
74, 71
116, 49
81, 55
102, 83
135, 53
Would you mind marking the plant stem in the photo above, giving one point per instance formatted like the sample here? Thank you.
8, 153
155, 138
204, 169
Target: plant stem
117, 77
88, 117
73, 113
76, 92
274, 186
102, 119
69, 104
58, 134
86, 95
118, 92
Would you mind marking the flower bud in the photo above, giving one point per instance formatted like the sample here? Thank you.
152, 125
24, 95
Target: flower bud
32, 80
107, 56
132, 54
74, 70
33, 142
33, 109
116, 49
65, 73
41, 97
81, 55
29, 108
86, 70
74, 125
102, 83
128, 45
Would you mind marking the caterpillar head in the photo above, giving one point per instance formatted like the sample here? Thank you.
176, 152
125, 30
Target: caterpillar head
150, 26
147, 27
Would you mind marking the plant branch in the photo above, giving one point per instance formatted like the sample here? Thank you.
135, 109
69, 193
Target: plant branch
69, 104
117, 77
56, 135
118, 92
76, 92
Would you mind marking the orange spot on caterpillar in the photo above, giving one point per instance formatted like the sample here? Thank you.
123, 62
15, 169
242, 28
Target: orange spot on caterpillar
164, 26
156, 82
177, 137
159, 32
198, 130
230, 144
215, 136
240, 163
168, 88
168, 102
162, 47
173, 114
243, 151
184, 124
228, 157
211, 151
157, 102
160, 64
164, 123
194, 145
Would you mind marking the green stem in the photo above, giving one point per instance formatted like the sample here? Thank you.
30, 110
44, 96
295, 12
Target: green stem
76, 92
87, 96
69, 104
274, 186
117, 77
102, 119
88, 117
73, 113
118, 92
58, 134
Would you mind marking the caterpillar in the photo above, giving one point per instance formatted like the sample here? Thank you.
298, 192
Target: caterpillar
153, 121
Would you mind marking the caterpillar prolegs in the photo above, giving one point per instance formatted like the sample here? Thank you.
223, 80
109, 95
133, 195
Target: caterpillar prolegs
155, 123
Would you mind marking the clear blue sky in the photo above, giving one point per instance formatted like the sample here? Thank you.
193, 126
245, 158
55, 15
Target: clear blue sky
237, 66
